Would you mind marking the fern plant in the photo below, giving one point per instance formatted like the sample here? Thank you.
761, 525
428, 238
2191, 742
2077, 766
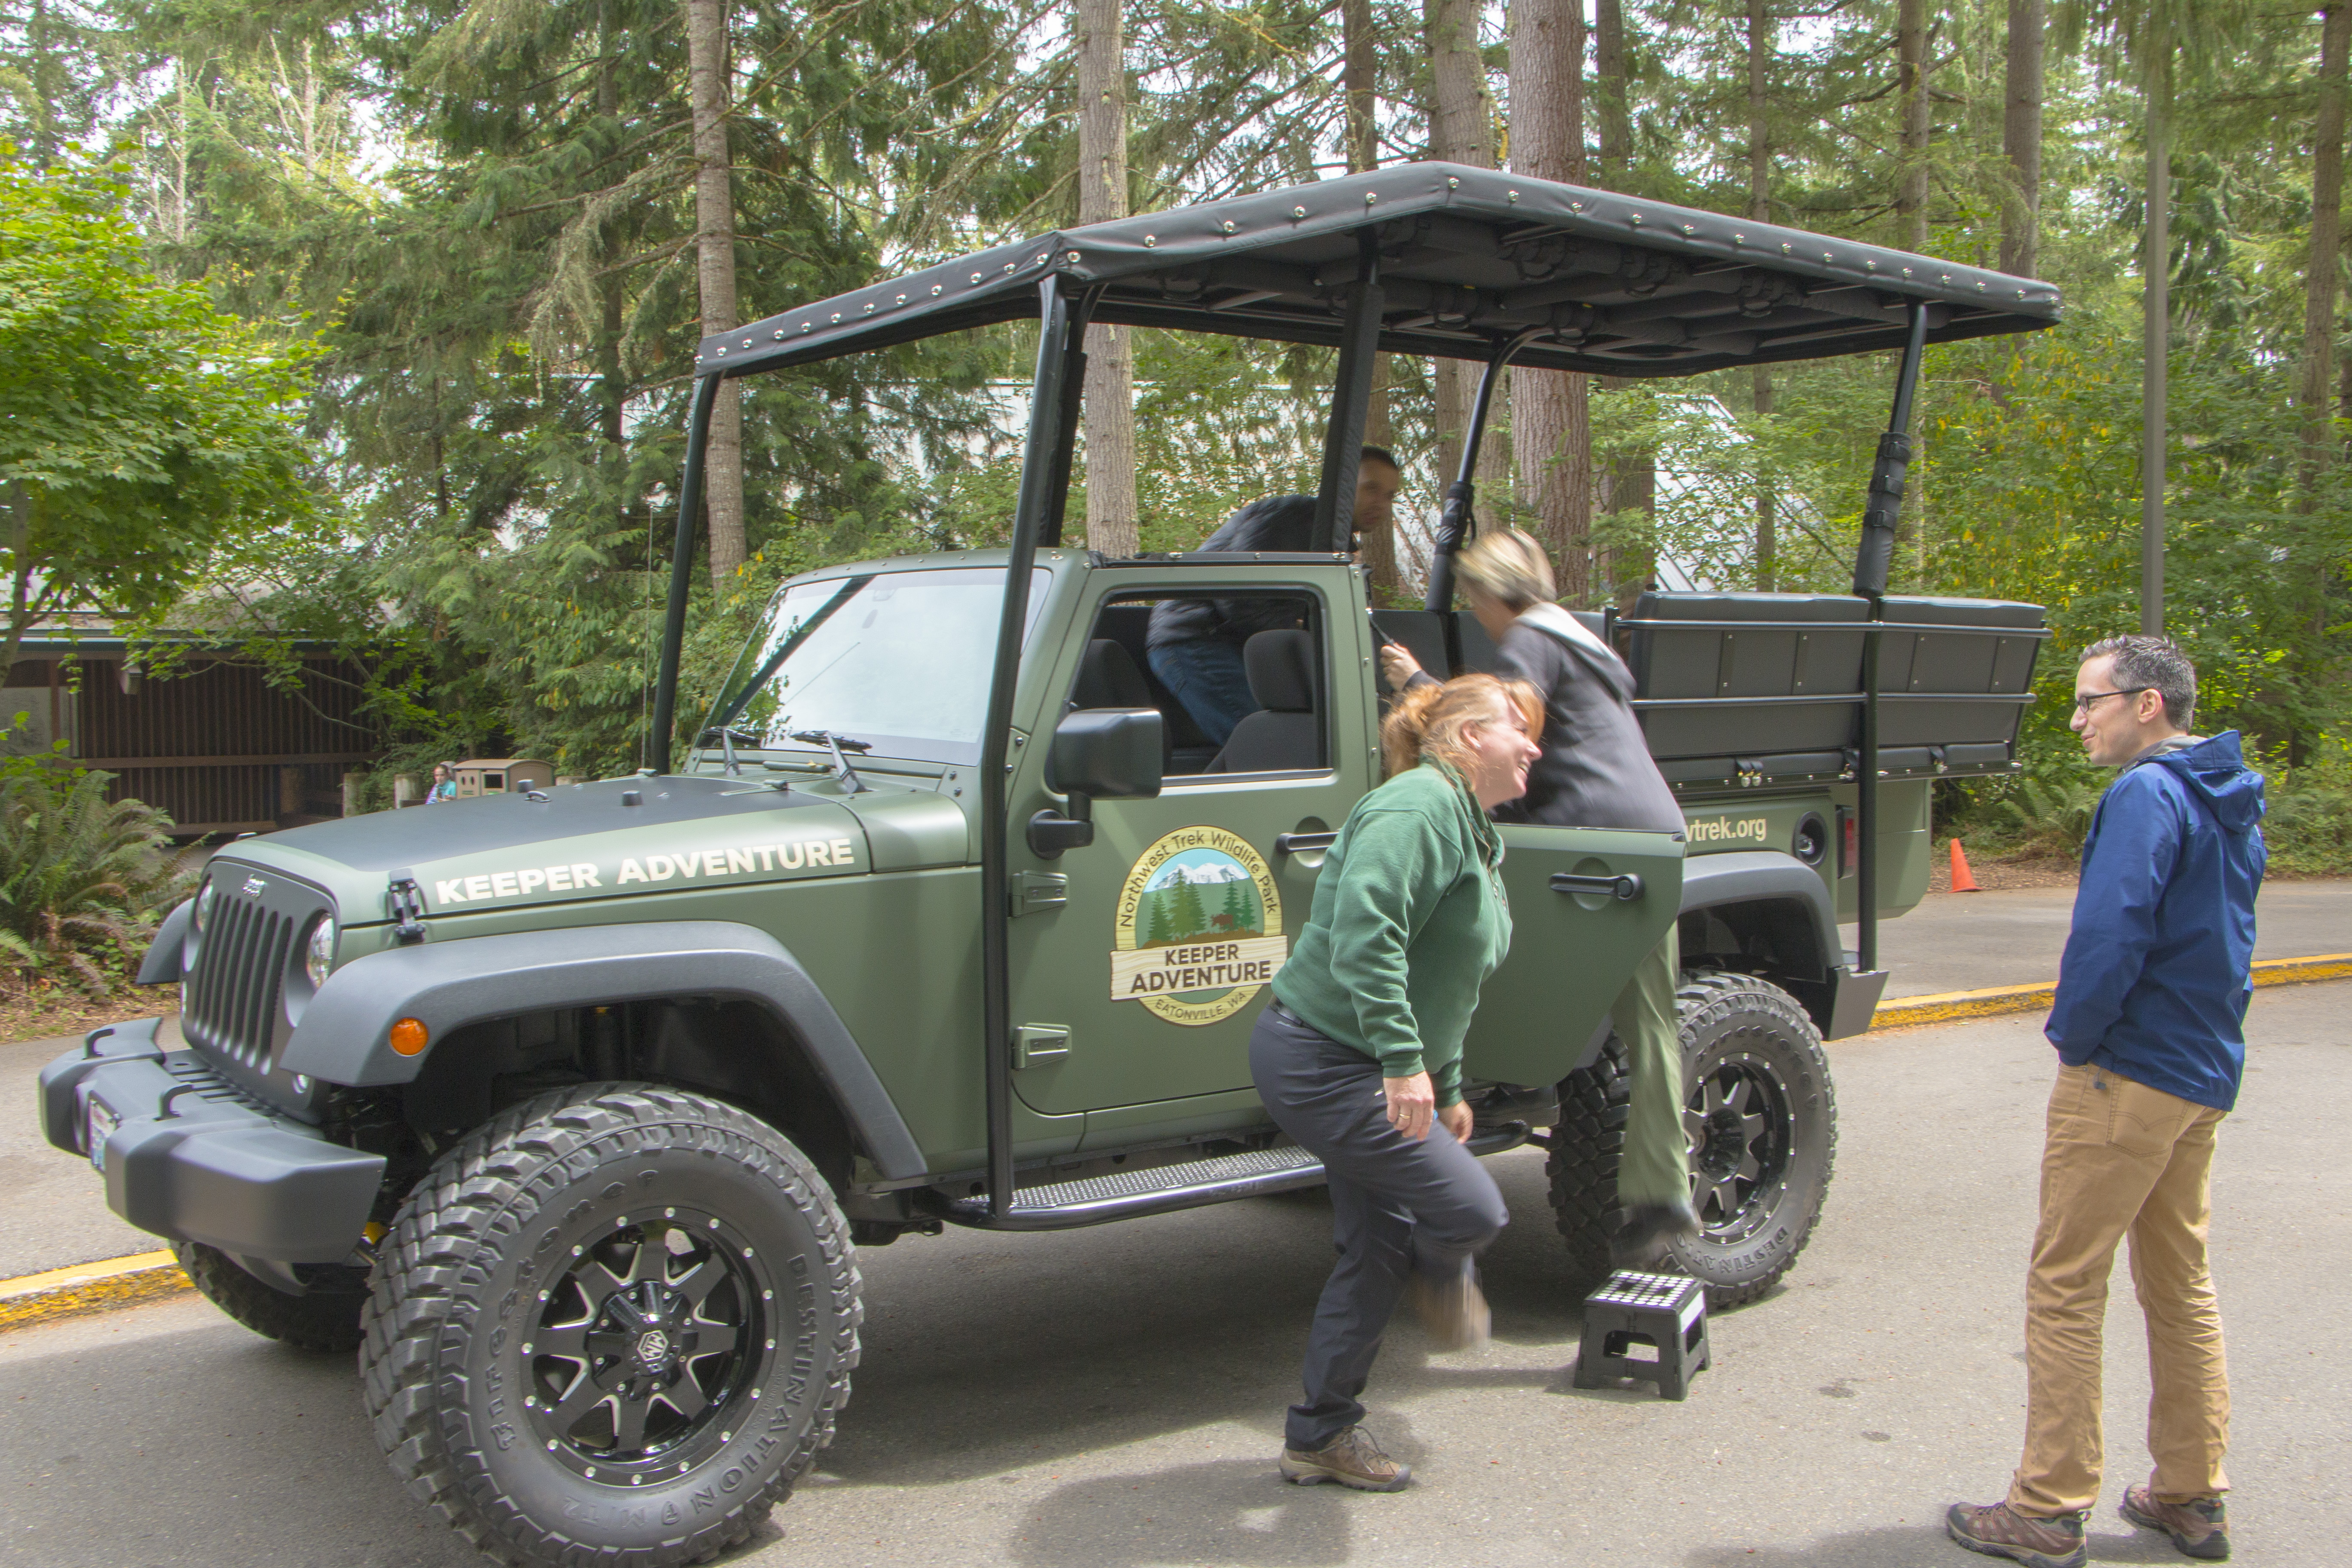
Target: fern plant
82, 879
2050, 817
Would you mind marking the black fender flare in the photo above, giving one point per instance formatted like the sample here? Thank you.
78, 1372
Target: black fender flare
161, 964
345, 1034
1797, 910
1759, 875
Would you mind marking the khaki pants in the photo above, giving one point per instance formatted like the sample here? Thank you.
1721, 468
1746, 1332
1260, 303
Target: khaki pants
2122, 1159
1655, 1165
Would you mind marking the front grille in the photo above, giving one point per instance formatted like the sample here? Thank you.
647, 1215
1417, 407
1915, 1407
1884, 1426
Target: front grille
231, 1010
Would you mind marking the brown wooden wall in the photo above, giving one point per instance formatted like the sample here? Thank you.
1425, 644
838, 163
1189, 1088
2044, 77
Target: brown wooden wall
211, 747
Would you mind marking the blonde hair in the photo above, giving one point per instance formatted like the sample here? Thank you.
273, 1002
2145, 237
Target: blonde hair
1427, 721
1507, 565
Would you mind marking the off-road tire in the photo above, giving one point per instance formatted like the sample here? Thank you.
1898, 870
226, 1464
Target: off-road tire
320, 1320
1733, 1026
515, 1221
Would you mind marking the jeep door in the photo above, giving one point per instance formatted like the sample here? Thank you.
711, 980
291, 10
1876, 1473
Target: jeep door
1587, 904
1138, 980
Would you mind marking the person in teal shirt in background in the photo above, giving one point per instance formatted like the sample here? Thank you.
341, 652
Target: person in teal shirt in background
1358, 1056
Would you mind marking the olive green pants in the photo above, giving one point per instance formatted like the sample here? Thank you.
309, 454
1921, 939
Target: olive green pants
1655, 1166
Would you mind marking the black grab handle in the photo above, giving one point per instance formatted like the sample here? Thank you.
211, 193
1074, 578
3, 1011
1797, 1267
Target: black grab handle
1624, 885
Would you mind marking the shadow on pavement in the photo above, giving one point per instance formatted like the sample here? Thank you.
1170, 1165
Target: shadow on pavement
1227, 1511
1901, 1545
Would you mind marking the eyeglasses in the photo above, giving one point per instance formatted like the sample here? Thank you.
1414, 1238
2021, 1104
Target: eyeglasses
2083, 704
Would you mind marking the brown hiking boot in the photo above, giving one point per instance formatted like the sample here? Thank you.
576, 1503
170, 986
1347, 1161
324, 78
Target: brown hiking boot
1351, 1458
2199, 1528
1454, 1311
1997, 1530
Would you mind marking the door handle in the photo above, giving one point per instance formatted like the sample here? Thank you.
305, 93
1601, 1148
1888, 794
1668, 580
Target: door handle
1292, 843
1624, 885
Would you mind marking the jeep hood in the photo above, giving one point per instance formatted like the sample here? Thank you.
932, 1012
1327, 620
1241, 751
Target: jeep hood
581, 841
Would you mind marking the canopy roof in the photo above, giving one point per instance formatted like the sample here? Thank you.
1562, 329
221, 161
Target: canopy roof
1624, 287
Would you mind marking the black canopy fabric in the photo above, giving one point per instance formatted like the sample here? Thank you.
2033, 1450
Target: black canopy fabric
1620, 286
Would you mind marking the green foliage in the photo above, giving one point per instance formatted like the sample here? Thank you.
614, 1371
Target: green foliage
141, 430
2308, 829
2047, 817
83, 880
486, 206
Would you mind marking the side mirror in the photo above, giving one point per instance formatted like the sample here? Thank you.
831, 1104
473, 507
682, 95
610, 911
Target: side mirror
1114, 752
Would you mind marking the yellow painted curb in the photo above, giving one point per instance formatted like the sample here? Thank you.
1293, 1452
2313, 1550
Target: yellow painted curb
88, 1288
1946, 1006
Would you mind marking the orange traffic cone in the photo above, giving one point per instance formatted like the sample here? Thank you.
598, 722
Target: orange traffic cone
1961, 881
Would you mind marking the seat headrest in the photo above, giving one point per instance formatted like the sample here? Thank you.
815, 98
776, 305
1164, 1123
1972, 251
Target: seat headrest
1107, 679
1281, 667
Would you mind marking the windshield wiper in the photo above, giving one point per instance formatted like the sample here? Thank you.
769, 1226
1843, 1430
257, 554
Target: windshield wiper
792, 641
839, 744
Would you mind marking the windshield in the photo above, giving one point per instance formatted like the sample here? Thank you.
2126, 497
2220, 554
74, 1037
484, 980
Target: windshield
899, 660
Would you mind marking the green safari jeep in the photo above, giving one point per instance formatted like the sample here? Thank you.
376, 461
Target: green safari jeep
570, 1109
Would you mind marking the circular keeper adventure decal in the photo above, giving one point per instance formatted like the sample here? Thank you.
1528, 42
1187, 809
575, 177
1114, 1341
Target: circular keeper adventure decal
1199, 928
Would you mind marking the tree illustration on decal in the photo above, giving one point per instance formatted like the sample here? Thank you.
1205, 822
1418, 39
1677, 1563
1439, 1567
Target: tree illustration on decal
1187, 918
1241, 916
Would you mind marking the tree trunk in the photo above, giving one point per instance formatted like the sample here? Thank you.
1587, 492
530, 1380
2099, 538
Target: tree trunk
20, 575
1911, 83
2155, 326
1612, 91
1631, 483
1461, 130
1762, 32
45, 126
1111, 519
1359, 73
708, 68
612, 382
2327, 240
2020, 139
1551, 429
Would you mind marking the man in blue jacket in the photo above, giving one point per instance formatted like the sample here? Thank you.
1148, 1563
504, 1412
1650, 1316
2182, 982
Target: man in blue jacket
2148, 1021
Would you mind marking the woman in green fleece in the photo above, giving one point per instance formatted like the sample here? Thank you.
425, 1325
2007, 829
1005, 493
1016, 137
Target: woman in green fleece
1360, 1051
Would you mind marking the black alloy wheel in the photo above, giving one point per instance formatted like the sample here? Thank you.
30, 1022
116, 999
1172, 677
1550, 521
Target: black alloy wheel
1741, 1137
1761, 1119
613, 1324
648, 1348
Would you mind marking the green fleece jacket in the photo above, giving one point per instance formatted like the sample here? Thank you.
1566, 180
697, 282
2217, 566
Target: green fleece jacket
1409, 920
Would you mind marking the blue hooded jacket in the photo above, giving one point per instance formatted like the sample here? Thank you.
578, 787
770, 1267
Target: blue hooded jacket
2154, 983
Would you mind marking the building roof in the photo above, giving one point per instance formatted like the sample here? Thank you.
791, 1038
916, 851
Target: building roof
1623, 287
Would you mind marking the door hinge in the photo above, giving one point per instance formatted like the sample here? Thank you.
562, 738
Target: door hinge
1039, 1045
1034, 892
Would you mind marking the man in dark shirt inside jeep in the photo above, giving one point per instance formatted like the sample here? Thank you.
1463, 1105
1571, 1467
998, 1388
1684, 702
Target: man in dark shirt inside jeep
1195, 645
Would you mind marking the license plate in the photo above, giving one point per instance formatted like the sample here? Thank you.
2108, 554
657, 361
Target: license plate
102, 1124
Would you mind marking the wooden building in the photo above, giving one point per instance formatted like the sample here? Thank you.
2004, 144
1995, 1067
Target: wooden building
219, 748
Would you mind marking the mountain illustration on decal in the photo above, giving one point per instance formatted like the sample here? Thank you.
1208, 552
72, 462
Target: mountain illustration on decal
1201, 896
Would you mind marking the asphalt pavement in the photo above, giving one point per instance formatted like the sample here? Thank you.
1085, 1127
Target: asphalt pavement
1112, 1398
52, 1205
1964, 942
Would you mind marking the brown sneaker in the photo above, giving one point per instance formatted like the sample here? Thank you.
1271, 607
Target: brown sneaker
1351, 1458
1997, 1530
2200, 1527
1454, 1311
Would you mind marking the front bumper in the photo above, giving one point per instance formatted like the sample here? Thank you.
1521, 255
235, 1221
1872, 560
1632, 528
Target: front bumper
193, 1158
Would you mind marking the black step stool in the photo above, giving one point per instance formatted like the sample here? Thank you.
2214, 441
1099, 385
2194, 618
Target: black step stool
1666, 1312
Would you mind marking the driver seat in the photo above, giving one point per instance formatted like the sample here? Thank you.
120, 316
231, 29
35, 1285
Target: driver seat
1285, 734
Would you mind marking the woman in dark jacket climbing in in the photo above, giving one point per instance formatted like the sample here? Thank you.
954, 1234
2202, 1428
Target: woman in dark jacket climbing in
1595, 772
1358, 1057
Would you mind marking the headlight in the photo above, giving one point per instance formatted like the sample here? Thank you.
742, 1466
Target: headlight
204, 906
321, 958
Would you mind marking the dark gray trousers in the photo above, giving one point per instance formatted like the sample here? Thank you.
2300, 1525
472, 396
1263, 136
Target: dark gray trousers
1397, 1204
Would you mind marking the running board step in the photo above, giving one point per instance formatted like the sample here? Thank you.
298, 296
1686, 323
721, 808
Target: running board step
1164, 1189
